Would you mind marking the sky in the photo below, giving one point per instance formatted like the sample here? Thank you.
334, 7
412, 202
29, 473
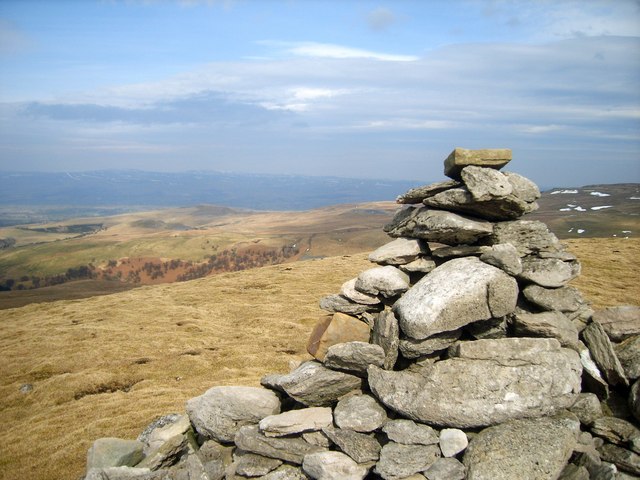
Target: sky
363, 89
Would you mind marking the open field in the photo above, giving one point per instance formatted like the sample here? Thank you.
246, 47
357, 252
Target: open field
109, 365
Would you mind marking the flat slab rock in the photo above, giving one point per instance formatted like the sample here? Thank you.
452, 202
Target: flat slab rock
461, 157
437, 303
486, 382
526, 449
620, 322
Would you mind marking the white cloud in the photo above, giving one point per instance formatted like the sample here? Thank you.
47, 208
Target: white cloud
328, 50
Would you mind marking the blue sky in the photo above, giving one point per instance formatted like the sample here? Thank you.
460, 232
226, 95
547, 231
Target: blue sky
347, 88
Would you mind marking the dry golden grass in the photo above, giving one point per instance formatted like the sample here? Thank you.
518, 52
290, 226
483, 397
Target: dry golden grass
107, 366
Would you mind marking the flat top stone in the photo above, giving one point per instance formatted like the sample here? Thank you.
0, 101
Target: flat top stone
461, 157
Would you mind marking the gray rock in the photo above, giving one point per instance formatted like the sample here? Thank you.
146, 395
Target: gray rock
484, 383
123, 473
581, 317
494, 328
114, 452
166, 454
398, 252
417, 195
618, 431
212, 459
286, 472
628, 352
411, 348
547, 324
317, 438
387, 281
622, 458
296, 421
526, 449
457, 251
409, 432
437, 304
505, 257
587, 408
354, 356
221, 411
332, 466
591, 375
398, 460
603, 354
452, 441
289, 449
522, 187
528, 236
634, 400
485, 183
563, 299
360, 413
314, 385
162, 430
620, 323
348, 290
445, 469
462, 157
421, 265
362, 448
573, 472
337, 303
438, 226
498, 208
386, 333
333, 329
252, 465
549, 272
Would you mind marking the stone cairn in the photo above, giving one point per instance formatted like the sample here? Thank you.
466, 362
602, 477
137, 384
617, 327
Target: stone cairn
463, 355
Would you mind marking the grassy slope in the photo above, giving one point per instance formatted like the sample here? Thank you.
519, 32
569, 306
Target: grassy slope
167, 343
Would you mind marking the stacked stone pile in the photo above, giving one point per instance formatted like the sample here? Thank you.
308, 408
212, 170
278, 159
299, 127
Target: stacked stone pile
463, 354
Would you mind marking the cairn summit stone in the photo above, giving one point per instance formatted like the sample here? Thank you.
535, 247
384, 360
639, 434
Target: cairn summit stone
437, 303
461, 157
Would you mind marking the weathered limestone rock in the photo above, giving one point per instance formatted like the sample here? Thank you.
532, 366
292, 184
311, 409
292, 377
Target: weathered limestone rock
494, 328
399, 461
314, 385
411, 348
459, 251
617, 431
212, 459
549, 272
417, 195
317, 438
340, 304
114, 452
438, 226
386, 333
485, 183
399, 252
547, 324
622, 458
486, 382
421, 265
361, 447
563, 299
221, 411
620, 323
628, 352
296, 421
332, 466
162, 430
348, 290
387, 281
526, 449
286, 472
123, 473
528, 236
166, 454
452, 441
634, 400
333, 329
409, 432
289, 449
461, 157
591, 375
445, 469
360, 413
252, 465
523, 188
354, 356
604, 355
436, 304
505, 257
587, 408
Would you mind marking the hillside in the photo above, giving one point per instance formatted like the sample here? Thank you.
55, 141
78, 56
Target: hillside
109, 365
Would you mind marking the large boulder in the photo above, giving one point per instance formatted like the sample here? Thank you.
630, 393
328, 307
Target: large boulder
221, 411
485, 382
438, 226
437, 303
333, 329
526, 449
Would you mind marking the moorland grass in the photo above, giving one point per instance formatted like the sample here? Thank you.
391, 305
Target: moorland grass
109, 365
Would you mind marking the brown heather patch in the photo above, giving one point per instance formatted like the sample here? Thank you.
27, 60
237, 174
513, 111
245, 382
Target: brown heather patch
107, 366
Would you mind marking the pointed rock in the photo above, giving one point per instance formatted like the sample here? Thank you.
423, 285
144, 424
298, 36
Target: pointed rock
386, 333
604, 355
